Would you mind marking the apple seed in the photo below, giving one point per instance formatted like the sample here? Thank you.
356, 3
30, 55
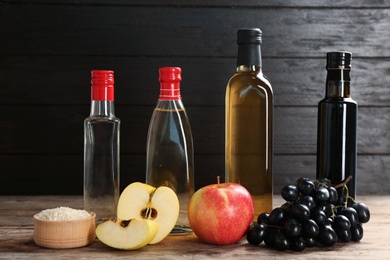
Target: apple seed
149, 213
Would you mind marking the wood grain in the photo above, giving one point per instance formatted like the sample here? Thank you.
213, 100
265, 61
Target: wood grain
295, 129
67, 79
48, 48
16, 233
197, 31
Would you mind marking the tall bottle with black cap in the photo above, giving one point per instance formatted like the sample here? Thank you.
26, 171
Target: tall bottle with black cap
337, 126
249, 123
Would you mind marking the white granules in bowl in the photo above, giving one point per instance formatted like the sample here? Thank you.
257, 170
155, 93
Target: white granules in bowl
62, 213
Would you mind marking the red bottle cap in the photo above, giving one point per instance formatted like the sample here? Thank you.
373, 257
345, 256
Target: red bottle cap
102, 85
170, 78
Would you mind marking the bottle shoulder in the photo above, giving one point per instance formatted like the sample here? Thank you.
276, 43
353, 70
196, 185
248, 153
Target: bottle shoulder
250, 78
169, 105
338, 100
102, 119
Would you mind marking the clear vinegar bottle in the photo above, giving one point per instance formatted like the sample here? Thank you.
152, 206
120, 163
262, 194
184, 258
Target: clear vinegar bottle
170, 153
249, 123
101, 148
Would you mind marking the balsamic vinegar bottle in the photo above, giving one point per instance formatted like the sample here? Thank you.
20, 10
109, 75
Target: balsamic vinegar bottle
169, 151
249, 109
101, 148
337, 126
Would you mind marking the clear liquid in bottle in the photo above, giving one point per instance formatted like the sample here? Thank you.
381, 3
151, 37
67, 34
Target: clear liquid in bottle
170, 151
101, 149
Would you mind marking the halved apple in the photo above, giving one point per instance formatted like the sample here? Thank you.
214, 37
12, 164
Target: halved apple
159, 204
126, 234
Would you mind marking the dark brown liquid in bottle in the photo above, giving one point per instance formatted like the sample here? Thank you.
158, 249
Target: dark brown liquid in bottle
337, 132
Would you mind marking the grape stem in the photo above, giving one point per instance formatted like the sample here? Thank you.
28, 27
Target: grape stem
344, 183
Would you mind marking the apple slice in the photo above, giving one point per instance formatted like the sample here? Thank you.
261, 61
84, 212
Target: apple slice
126, 234
160, 204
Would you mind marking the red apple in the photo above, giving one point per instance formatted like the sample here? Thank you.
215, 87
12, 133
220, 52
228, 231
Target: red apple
221, 213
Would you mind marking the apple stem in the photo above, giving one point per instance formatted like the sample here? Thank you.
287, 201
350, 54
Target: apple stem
218, 180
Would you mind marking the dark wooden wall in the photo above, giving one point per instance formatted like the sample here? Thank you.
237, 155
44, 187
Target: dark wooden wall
47, 49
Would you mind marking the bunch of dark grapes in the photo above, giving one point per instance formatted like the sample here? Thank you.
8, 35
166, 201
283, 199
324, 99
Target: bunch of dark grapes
314, 213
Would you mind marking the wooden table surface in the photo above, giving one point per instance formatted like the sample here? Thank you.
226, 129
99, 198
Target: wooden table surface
16, 237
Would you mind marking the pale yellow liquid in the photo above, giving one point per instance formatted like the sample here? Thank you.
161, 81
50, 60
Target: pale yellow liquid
170, 155
249, 136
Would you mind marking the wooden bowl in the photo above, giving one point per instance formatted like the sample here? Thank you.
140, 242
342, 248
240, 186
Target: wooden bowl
64, 234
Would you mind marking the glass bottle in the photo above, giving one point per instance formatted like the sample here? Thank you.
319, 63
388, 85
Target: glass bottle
101, 148
249, 109
337, 125
169, 150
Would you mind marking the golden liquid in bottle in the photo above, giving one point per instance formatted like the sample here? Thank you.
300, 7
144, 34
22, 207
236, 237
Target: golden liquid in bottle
249, 110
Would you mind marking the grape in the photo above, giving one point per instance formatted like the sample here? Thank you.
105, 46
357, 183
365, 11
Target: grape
310, 241
310, 229
333, 195
256, 234
281, 243
306, 186
322, 194
277, 217
300, 212
269, 238
263, 218
342, 193
286, 206
309, 202
341, 223
351, 214
328, 222
292, 228
344, 236
319, 216
314, 213
301, 179
325, 207
297, 244
357, 232
327, 236
290, 193
324, 182
362, 211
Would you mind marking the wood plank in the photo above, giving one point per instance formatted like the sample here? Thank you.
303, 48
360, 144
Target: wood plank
187, 32
372, 172
59, 129
61, 80
16, 241
63, 174
351, 4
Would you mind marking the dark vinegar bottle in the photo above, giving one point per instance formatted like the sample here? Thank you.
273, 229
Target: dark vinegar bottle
337, 126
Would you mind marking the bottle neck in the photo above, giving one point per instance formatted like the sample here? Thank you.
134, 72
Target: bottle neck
338, 83
249, 57
169, 90
102, 108
250, 68
170, 105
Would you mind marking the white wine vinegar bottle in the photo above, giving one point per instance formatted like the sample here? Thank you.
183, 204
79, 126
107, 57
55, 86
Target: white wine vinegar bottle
101, 148
169, 150
249, 108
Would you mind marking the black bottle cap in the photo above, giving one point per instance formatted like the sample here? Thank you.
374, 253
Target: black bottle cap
338, 60
249, 36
